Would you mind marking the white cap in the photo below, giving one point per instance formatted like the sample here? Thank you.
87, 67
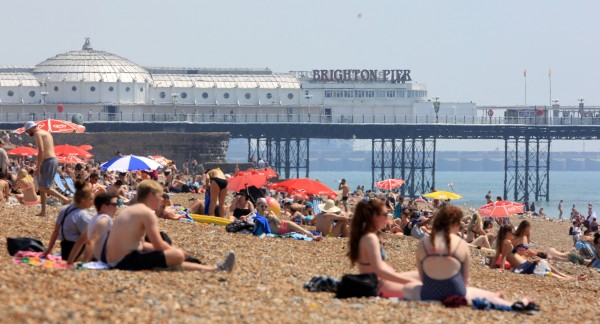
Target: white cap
29, 125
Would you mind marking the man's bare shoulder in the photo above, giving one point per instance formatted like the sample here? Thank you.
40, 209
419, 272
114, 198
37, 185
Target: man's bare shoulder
138, 209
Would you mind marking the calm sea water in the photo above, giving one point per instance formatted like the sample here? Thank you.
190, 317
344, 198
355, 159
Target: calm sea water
579, 188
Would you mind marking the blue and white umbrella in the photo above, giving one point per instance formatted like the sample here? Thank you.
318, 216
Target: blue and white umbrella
130, 163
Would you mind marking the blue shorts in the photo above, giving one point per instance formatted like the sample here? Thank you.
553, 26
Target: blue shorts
47, 172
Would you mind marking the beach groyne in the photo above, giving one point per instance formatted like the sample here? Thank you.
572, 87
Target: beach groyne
204, 147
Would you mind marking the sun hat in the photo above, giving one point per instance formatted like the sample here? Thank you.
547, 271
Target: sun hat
329, 207
29, 125
309, 204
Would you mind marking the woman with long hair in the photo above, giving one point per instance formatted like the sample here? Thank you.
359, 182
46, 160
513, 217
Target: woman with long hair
476, 234
444, 263
365, 249
517, 257
72, 220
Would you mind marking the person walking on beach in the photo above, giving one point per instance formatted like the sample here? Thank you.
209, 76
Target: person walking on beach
345, 188
47, 164
3, 157
560, 210
125, 246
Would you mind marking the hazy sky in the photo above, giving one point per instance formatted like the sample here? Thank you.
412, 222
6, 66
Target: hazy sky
463, 50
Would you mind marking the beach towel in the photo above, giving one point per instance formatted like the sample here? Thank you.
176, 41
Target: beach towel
293, 235
33, 259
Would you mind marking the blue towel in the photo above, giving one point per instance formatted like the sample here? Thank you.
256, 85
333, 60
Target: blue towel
261, 225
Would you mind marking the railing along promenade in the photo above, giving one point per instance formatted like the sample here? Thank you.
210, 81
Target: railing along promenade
298, 119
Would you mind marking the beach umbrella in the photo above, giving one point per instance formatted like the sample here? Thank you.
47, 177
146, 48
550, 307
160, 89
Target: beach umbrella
389, 184
56, 126
23, 150
85, 147
304, 185
130, 163
242, 179
501, 208
69, 159
443, 195
268, 172
72, 150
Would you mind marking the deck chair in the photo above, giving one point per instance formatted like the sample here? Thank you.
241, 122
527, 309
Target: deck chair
316, 202
590, 250
60, 185
254, 193
70, 184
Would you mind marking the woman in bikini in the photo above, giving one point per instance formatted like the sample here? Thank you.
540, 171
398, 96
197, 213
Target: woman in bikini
476, 235
444, 263
218, 190
27, 187
365, 249
241, 206
519, 259
279, 226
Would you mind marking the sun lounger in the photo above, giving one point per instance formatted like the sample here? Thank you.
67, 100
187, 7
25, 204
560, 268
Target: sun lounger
60, 185
70, 184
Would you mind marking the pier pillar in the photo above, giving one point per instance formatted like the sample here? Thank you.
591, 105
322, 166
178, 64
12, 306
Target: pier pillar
527, 168
412, 159
289, 157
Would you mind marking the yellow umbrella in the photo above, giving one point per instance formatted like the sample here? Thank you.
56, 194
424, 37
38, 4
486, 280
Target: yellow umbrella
442, 195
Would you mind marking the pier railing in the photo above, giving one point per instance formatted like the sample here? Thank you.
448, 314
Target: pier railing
297, 119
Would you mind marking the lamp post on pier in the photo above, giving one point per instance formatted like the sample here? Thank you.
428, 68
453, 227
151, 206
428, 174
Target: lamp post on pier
581, 100
436, 107
308, 96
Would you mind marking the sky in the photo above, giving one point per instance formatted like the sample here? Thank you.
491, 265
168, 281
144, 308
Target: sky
463, 50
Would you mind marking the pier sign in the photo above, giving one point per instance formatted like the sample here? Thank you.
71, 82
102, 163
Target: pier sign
364, 75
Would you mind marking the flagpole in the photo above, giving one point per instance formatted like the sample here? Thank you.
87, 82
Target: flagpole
525, 77
550, 81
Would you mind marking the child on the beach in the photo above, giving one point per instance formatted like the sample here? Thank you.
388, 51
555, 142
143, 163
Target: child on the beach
575, 231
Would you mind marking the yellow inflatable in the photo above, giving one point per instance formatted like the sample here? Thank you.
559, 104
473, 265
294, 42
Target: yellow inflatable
210, 219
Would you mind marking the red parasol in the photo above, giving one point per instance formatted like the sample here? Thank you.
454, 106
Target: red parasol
23, 150
85, 147
243, 179
308, 186
389, 184
72, 150
69, 159
501, 208
268, 172
56, 126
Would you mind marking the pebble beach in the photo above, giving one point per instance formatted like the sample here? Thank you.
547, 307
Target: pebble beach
267, 283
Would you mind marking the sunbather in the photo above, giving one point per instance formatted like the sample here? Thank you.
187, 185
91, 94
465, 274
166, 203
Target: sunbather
477, 234
324, 221
72, 221
126, 249
25, 183
92, 240
444, 263
366, 252
279, 226
516, 258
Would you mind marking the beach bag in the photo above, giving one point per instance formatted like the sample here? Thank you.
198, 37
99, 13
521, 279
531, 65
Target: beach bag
239, 225
16, 244
358, 285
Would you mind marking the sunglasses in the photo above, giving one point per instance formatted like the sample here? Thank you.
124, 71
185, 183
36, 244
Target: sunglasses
261, 206
112, 204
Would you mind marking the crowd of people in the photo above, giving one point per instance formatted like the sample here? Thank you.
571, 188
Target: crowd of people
128, 237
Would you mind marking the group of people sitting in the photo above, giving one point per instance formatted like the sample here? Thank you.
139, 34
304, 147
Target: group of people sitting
130, 242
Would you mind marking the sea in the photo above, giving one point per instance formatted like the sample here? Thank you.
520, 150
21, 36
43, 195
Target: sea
574, 188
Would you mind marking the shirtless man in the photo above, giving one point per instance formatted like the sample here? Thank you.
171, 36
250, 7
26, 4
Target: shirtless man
126, 249
345, 188
324, 221
47, 164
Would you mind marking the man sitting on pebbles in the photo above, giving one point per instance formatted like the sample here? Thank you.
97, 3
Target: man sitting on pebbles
126, 249
324, 221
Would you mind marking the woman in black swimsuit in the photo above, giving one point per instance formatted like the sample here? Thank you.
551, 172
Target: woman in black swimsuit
366, 250
218, 190
241, 206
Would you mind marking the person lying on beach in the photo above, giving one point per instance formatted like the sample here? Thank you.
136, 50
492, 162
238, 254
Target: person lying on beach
25, 183
515, 258
72, 221
444, 263
277, 225
478, 234
165, 211
118, 189
92, 240
196, 206
324, 221
126, 249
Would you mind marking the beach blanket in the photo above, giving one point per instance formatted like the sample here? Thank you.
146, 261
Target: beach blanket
54, 261
294, 235
33, 259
